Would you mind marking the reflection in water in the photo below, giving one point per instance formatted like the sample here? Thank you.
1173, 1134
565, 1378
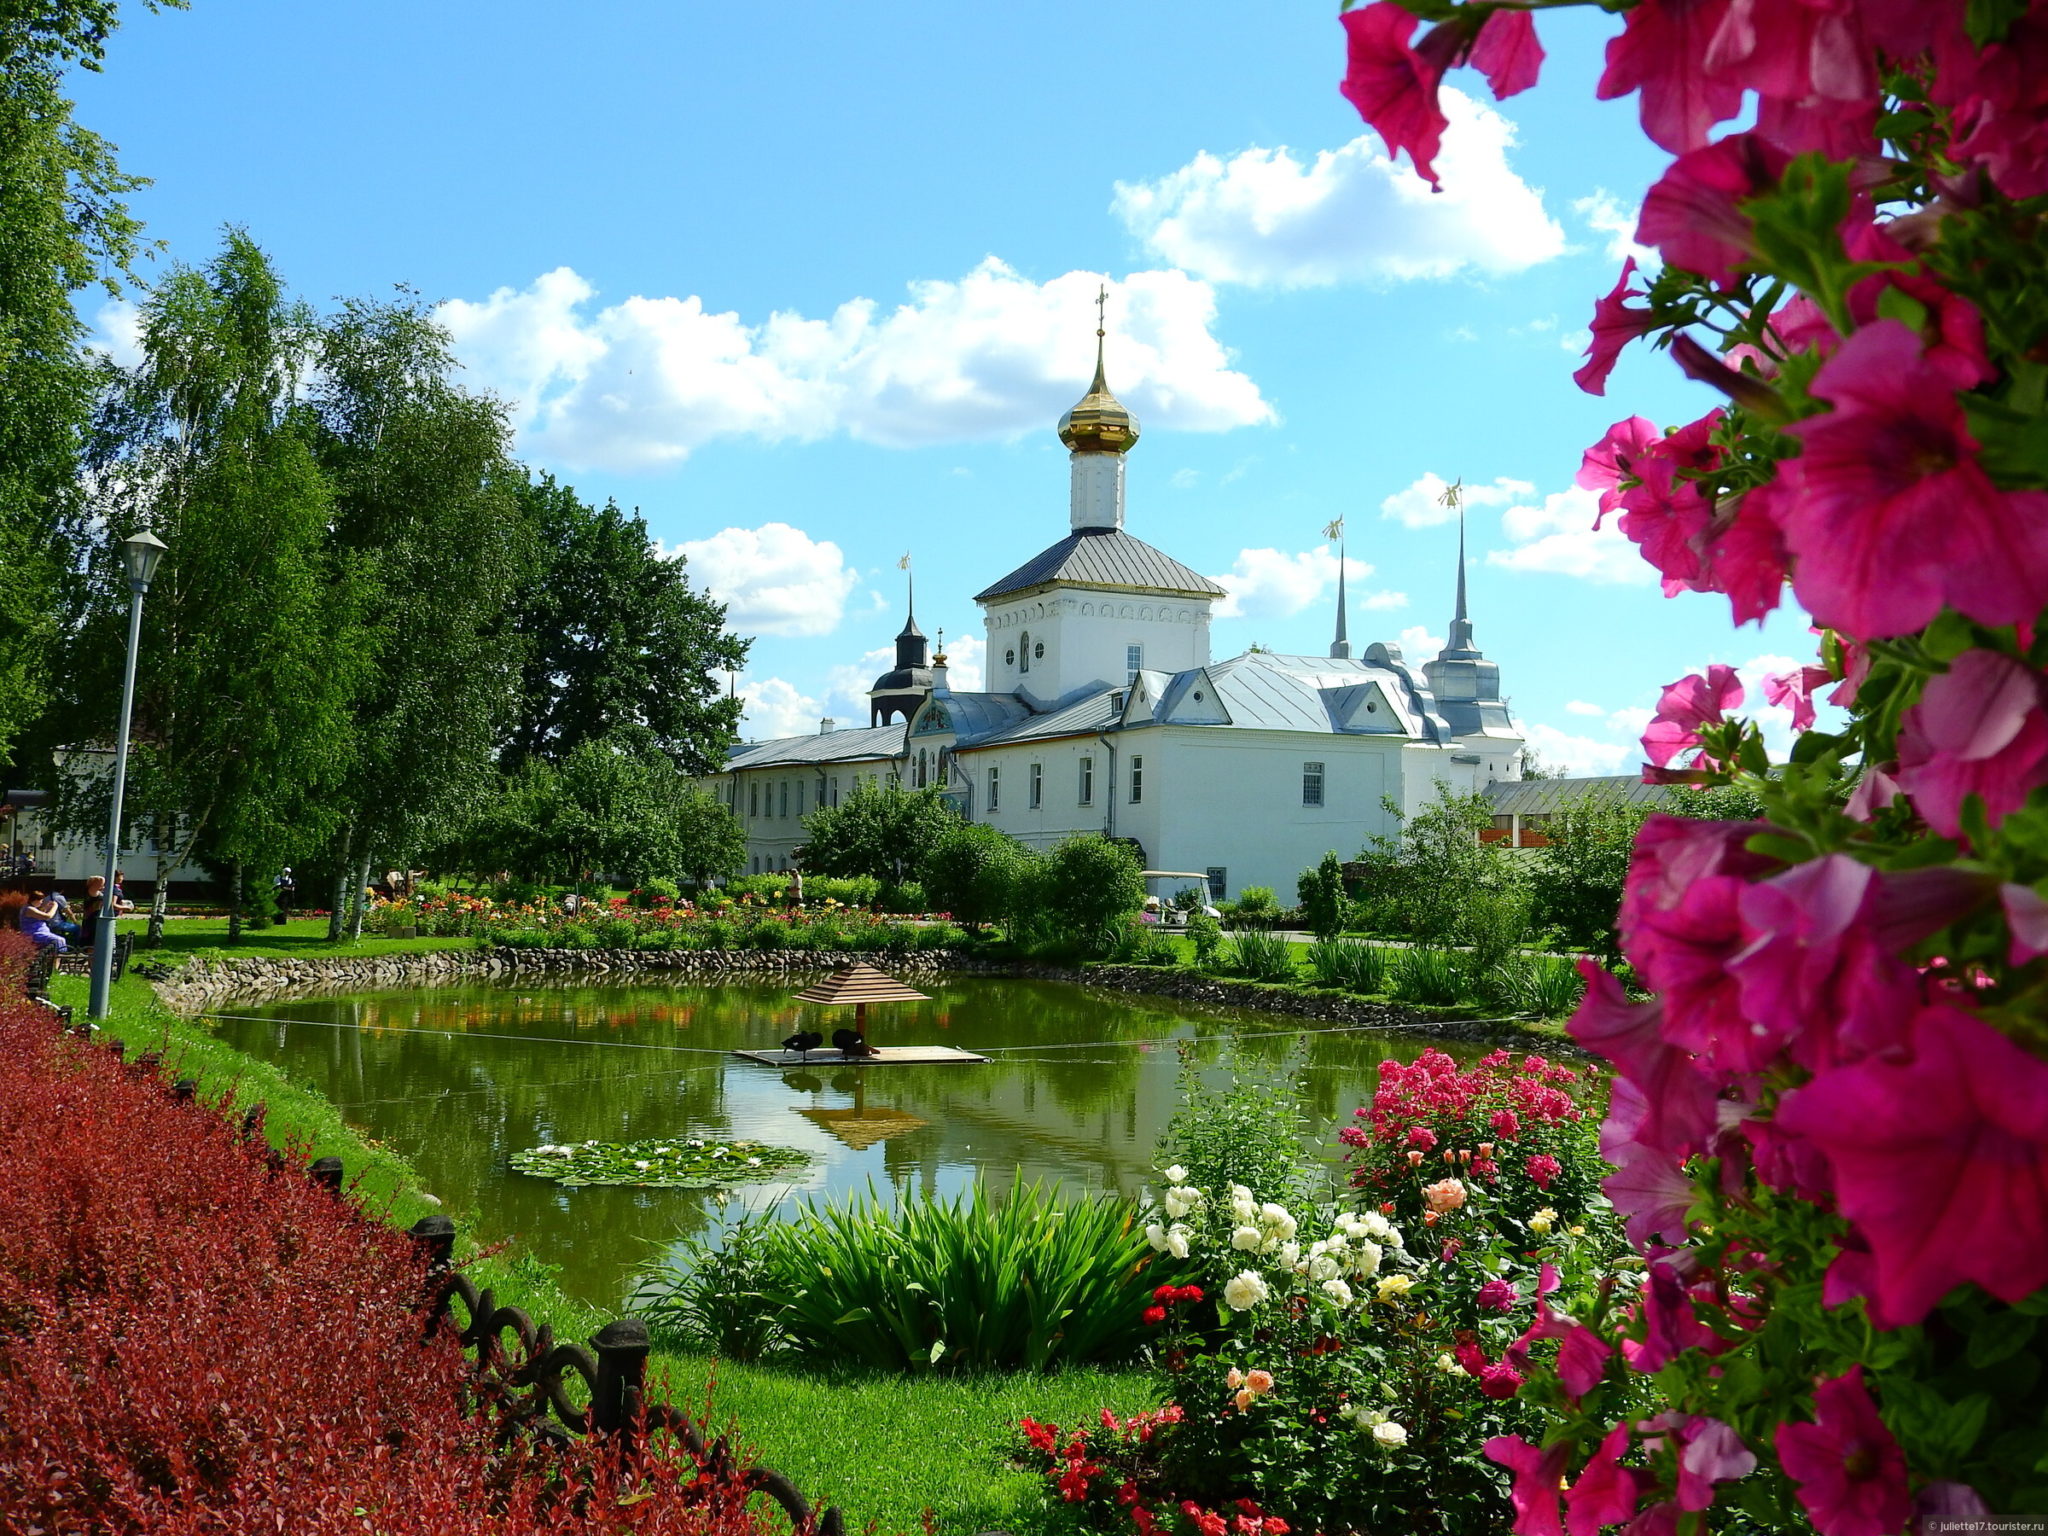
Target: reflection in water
457, 1079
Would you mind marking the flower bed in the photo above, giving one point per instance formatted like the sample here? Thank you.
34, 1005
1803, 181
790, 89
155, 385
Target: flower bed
1336, 1366
742, 923
689, 1163
194, 1339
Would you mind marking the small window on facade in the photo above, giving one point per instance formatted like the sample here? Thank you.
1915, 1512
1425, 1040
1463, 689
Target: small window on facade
1009, 658
799, 797
1137, 779
1024, 652
835, 793
754, 800
1134, 662
1036, 797
923, 767
784, 798
1038, 650
1219, 881
995, 789
1311, 783
1087, 781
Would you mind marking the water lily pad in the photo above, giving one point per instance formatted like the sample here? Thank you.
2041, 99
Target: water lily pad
675, 1163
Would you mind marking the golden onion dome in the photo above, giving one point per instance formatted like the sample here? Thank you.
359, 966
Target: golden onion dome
1098, 423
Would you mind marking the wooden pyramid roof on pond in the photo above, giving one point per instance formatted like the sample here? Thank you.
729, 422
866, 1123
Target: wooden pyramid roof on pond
859, 983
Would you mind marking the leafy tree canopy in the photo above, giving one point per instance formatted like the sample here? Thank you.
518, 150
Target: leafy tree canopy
882, 830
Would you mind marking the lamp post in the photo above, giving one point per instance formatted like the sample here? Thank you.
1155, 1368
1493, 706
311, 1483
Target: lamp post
140, 553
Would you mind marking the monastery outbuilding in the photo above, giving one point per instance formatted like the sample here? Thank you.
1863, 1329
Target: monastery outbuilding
1104, 712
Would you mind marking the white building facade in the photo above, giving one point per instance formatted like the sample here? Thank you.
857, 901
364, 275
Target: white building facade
1104, 713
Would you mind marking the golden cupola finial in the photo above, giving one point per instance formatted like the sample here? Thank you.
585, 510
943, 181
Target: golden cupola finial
1098, 423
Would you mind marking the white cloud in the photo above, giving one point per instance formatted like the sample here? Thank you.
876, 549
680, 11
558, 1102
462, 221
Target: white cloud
1578, 755
1581, 707
1264, 218
117, 331
1418, 644
774, 580
1271, 584
1421, 505
775, 708
638, 385
847, 685
1558, 537
1606, 214
1184, 479
965, 658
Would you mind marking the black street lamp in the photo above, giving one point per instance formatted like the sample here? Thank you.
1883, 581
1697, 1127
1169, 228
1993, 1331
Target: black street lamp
140, 553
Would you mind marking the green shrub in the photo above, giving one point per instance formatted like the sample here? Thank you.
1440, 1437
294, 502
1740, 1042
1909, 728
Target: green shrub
1324, 907
616, 932
1437, 978
1256, 907
1248, 1129
1351, 964
1206, 934
903, 896
1032, 1282
976, 872
1084, 886
652, 893
710, 1299
1142, 943
765, 933
1259, 956
938, 936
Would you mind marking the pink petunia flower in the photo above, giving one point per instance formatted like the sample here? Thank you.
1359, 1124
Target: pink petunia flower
1850, 1470
1981, 729
1678, 1101
1687, 705
1507, 53
1693, 215
1537, 1474
1892, 466
1582, 1360
1658, 54
1668, 519
1742, 552
1615, 324
1794, 691
1393, 87
1648, 1186
1814, 972
1671, 1324
1713, 1453
1610, 463
2026, 914
1605, 1493
1940, 1162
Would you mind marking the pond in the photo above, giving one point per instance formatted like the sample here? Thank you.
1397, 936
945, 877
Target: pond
458, 1079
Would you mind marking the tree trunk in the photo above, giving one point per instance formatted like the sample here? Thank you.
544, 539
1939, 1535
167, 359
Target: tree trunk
235, 904
337, 909
159, 907
355, 898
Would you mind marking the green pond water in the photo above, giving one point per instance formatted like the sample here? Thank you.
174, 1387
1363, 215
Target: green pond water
458, 1079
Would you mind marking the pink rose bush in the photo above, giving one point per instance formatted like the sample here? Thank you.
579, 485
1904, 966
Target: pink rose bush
1828, 1128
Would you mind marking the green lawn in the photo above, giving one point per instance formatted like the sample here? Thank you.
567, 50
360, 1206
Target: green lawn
884, 1448
303, 937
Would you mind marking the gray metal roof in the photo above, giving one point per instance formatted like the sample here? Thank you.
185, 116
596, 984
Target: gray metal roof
1103, 557
867, 742
1544, 797
972, 717
1084, 716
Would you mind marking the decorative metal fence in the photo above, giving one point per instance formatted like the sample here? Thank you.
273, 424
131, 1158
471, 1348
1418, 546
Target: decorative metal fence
530, 1378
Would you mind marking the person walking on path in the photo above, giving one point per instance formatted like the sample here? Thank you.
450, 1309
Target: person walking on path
283, 889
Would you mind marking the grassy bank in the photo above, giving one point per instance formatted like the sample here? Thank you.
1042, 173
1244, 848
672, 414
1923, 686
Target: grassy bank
883, 1447
304, 938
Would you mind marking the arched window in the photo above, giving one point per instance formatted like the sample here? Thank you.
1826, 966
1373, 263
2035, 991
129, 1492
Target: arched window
1024, 652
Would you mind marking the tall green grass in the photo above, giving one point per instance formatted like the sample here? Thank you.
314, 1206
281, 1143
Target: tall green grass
1437, 978
1258, 956
1030, 1282
1546, 985
1347, 963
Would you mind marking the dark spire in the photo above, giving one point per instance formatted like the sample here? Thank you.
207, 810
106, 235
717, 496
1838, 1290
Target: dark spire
911, 648
1461, 625
1340, 648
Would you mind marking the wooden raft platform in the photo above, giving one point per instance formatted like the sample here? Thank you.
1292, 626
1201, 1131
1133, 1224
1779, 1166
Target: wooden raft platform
885, 1056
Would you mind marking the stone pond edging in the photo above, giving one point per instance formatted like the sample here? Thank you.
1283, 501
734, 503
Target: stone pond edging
202, 985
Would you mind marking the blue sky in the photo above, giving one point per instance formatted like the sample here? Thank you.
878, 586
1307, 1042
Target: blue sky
810, 285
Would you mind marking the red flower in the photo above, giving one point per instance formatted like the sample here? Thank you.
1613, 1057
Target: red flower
1543, 1168
1658, 53
1500, 1380
1850, 1471
1393, 87
1940, 1161
1981, 729
1537, 1474
1893, 467
1614, 326
1507, 53
1153, 1316
1605, 1493
1206, 1521
1693, 215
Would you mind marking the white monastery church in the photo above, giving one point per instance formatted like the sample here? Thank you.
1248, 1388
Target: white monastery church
1105, 713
